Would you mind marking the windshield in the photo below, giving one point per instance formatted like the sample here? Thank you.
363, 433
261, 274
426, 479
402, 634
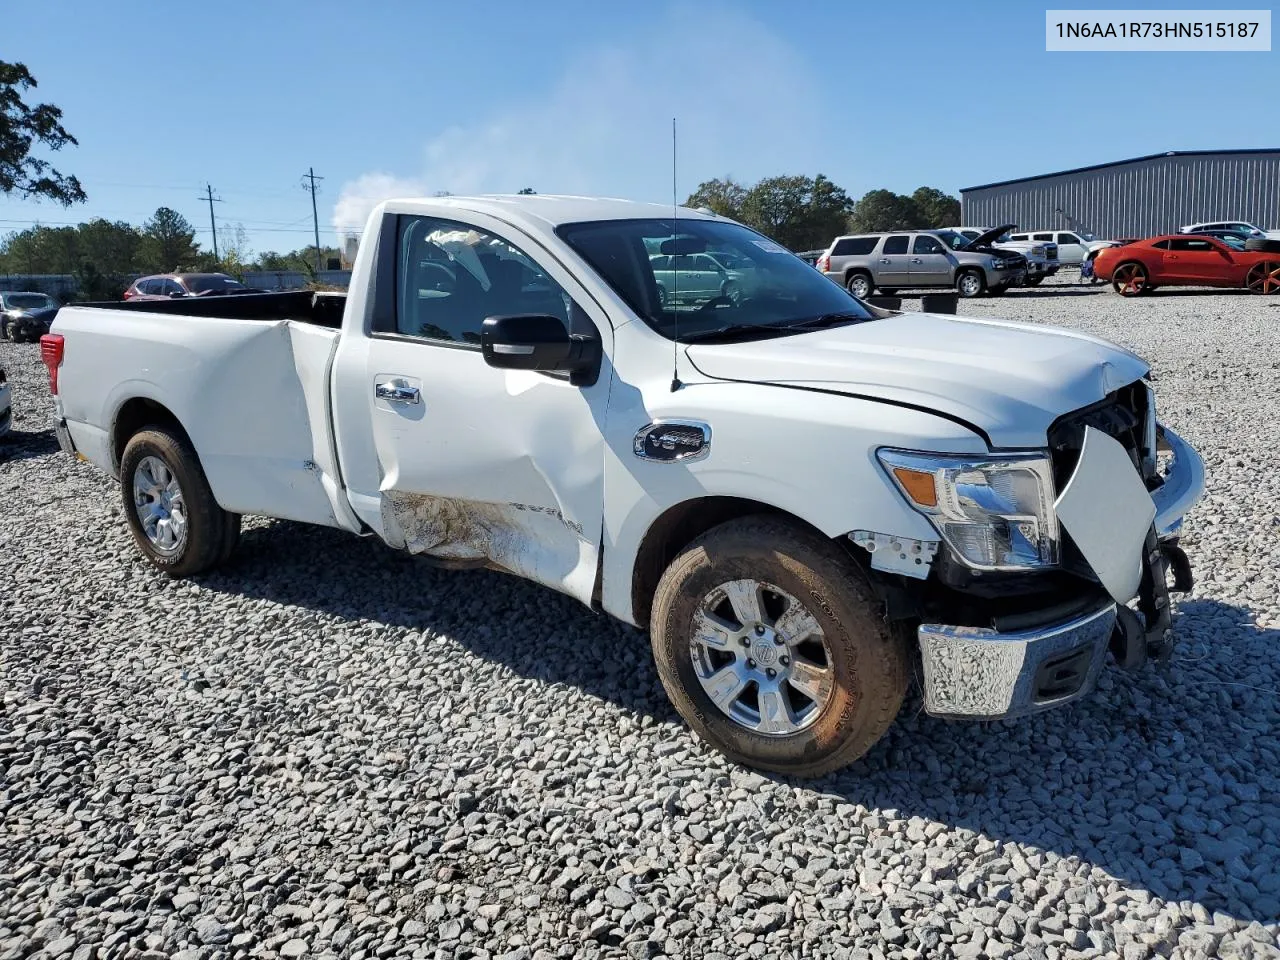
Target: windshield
696, 279
28, 301
213, 284
1234, 242
953, 239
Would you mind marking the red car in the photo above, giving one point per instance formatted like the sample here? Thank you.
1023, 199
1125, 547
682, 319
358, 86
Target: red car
1186, 260
163, 286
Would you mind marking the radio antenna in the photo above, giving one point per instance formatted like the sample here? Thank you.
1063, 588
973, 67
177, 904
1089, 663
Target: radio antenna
675, 273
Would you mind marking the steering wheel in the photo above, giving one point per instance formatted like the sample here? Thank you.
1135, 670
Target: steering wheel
715, 302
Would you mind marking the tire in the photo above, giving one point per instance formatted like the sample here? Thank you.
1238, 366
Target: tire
970, 283
157, 458
859, 688
1130, 279
860, 284
731, 292
662, 296
1262, 245
1263, 277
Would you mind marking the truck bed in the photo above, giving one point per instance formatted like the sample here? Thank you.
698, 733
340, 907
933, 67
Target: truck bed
323, 309
246, 376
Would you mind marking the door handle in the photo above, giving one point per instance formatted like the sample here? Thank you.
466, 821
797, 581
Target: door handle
884, 260
396, 392
916, 260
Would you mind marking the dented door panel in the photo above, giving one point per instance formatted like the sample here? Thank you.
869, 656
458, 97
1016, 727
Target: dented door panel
499, 466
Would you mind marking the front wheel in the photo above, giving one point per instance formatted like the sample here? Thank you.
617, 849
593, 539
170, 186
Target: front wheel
970, 283
771, 645
172, 513
1264, 277
1130, 280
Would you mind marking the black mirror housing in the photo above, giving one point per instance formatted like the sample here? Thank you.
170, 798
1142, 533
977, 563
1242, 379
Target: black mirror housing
539, 342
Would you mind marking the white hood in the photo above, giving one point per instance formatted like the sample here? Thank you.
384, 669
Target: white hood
1010, 380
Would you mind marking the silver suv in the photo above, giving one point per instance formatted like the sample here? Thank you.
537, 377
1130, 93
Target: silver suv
920, 258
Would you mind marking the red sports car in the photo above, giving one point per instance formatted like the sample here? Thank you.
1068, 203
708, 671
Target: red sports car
1186, 260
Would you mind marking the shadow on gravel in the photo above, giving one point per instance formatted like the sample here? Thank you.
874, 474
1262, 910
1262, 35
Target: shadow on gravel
1165, 778
494, 615
20, 445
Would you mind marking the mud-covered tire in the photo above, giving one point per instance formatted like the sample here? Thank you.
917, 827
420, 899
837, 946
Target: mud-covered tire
210, 532
869, 660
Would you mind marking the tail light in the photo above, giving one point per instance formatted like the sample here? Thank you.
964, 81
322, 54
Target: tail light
127, 294
824, 263
51, 347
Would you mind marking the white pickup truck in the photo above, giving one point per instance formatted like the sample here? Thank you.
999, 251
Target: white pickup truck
804, 499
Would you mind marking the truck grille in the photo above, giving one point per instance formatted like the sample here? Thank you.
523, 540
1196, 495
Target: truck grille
1121, 415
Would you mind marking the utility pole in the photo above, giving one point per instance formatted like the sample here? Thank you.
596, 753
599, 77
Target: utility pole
315, 218
213, 227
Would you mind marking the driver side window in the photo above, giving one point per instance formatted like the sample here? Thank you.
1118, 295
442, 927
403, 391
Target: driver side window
450, 276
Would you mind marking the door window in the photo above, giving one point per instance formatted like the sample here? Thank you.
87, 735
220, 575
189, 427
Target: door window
1189, 245
1068, 238
451, 276
927, 244
1042, 236
896, 244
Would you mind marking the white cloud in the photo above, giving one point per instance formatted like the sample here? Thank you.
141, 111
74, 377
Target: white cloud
745, 102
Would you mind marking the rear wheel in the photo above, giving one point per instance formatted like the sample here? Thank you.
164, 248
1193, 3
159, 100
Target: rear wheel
1264, 277
1130, 279
859, 284
970, 283
172, 513
772, 646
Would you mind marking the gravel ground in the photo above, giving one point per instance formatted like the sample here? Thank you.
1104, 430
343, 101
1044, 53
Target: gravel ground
331, 750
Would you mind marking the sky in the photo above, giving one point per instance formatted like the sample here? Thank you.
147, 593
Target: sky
403, 98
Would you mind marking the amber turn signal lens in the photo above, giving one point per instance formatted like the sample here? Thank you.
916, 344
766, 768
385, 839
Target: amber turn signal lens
919, 486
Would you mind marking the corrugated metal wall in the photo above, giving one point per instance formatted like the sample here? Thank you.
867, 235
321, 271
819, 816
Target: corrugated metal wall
1138, 199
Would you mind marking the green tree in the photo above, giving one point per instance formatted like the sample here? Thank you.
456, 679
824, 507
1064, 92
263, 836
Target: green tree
41, 250
937, 209
801, 213
526, 191
724, 197
169, 241
113, 247
23, 126
884, 210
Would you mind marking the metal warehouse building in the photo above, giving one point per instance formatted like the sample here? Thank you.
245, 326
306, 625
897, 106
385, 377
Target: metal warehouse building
1138, 197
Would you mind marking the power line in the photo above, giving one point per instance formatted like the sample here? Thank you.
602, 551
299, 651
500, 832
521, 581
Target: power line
315, 217
213, 228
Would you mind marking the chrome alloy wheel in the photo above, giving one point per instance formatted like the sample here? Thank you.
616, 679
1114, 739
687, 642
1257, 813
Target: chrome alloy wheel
162, 511
761, 657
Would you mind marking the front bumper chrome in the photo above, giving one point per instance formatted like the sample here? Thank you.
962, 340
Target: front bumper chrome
1183, 484
980, 673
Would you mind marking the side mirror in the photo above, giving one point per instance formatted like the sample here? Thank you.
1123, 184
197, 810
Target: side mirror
538, 342
174, 294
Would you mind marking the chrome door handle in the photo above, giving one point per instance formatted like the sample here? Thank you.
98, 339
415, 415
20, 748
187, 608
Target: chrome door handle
884, 260
916, 260
396, 392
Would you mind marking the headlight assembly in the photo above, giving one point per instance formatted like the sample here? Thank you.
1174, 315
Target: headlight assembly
995, 512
